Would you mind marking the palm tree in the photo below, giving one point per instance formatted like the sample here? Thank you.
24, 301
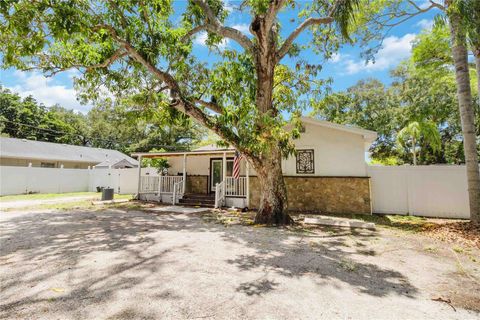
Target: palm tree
415, 132
459, 27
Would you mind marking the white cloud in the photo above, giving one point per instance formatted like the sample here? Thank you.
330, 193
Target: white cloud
45, 91
335, 58
243, 27
425, 24
201, 39
393, 50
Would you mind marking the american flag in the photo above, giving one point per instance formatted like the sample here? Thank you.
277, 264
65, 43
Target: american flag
236, 165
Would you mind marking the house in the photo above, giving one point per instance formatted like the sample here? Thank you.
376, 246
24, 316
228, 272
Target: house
24, 153
327, 174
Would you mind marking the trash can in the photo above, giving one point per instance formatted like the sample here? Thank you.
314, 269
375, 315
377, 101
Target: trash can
107, 194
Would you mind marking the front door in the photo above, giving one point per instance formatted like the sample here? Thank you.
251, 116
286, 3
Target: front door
216, 171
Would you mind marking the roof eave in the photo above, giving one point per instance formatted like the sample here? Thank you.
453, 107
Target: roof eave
180, 153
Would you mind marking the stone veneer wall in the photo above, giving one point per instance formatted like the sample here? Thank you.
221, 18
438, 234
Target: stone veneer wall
197, 184
322, 194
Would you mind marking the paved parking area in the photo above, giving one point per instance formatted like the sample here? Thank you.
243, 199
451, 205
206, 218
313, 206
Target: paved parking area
119, 264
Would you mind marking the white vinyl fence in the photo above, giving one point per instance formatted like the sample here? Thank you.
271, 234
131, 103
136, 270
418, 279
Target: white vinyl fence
20, 180
430, 191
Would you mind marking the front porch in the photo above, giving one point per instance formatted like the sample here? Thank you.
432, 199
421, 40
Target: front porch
201, 177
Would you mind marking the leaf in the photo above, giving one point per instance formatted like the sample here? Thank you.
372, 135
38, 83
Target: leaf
57, 289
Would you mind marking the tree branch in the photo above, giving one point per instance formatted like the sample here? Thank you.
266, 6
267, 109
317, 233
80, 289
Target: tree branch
273, 9
177, 100
408, 15
194, 31
213, 25
210, 105
120, 53
291, 38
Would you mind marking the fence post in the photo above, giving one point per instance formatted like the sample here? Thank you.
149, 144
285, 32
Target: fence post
247, 173
59, 181
139, 176
174, 193
410, 206
29, 174
184, 171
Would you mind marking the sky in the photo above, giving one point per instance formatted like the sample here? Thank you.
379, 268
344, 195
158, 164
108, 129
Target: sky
345, 68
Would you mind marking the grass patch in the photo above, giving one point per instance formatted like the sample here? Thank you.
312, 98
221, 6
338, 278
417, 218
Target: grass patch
348, 265
431, 249
45, 196
79, 204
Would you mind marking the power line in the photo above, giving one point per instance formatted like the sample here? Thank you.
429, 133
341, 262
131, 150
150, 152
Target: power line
82, 136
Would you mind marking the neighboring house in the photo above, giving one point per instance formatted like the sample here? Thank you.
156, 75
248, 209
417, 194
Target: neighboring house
328, 173
23, 152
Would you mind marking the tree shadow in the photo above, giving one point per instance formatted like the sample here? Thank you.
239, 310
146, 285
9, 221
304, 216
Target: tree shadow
257, 287
68, 240
325, 256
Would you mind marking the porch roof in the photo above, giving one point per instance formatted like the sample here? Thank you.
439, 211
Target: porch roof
198, 152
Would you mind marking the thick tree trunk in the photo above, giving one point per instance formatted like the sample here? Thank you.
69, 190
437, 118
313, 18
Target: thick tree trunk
268, 164
465, 101
273, 197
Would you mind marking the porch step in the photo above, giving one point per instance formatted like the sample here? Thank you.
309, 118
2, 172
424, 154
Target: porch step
202, 200
197, 204
199, 196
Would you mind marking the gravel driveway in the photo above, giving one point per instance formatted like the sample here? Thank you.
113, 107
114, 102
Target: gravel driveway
118, 264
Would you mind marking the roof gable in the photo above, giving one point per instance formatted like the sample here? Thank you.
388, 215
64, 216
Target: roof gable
347, 128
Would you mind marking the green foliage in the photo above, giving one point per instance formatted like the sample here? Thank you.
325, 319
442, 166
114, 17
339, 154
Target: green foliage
423, 90
98, 38
27, 119
431, 49
419, 135
390, 161
161, 164
107, 125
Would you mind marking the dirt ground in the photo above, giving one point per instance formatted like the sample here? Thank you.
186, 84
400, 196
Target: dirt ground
133, 264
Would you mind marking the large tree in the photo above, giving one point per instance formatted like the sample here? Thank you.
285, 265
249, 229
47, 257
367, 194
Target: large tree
130, 127
135, 46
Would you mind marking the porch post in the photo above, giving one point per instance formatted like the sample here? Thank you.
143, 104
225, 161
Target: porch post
247, 174
224, 166
139, 176
184, 171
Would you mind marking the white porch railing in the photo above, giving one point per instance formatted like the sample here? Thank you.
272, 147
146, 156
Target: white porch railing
178, 191
220, 194
149, 184
236, 187
167, 183
158, 184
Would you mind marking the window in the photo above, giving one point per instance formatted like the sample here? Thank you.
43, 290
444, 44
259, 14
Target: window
305, 161
47, 165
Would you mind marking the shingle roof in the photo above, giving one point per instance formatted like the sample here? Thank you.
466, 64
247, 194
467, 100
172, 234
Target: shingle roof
30, 149
124, 163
